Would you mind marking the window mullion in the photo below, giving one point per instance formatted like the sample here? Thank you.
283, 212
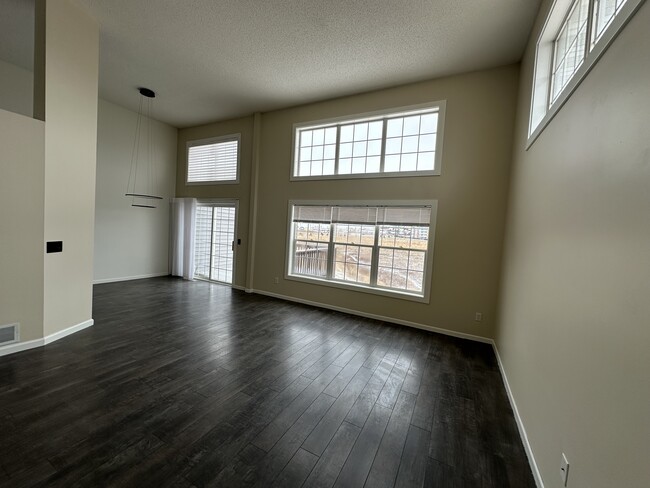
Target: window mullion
590, 25
338, 143
330, 253
211, 237
374, 262
384, 128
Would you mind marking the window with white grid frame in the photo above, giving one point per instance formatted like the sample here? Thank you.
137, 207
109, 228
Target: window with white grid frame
604, 13
570, 47
402, 142
575, 35
213, 160
377, 247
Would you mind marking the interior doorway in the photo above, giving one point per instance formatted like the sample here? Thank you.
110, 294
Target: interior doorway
214, 248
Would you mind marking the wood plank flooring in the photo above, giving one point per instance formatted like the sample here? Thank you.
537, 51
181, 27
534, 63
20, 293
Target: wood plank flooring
192, 384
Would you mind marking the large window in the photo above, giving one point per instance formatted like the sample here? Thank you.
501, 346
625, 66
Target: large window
213, 160
385, 248
400, 143
576, 34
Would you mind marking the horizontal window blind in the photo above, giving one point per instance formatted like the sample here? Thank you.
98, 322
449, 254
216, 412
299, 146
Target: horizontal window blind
213, 162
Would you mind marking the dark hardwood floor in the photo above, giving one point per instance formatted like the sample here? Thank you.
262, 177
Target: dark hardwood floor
194, 384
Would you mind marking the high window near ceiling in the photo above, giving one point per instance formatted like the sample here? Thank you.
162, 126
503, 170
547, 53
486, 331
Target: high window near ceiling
401, 142
215, 160
382, 248
575, 35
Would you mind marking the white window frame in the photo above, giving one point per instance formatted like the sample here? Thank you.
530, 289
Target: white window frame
205, 142
402, 294
438, 106
222, 202
541, 110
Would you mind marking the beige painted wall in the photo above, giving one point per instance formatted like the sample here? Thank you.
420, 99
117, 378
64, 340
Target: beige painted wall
573, 331
16, 88
240, 191
471, 194
130, 241
71, 74
21, 223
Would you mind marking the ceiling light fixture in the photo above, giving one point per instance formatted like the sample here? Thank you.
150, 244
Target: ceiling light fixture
143, 166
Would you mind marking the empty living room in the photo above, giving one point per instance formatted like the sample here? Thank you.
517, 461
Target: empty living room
325, 244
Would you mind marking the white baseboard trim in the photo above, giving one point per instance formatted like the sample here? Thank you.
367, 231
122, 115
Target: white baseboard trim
66, 332
383, 318
520, 424
23, 346
129, 278
238, 287
20, 346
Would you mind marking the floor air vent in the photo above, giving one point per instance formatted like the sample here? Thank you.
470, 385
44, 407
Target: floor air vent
8, 334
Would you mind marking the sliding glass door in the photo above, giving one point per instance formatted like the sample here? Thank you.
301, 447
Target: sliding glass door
214, 249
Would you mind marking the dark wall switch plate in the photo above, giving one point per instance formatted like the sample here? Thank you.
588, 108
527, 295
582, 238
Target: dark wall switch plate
55, 246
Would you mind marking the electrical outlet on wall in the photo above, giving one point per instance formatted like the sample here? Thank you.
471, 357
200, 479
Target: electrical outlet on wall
564, 470
478, 317
276, 280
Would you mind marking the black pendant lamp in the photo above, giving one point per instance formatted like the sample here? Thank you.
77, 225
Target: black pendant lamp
142, 177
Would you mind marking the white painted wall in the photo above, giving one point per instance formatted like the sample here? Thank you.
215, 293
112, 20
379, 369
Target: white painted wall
21, 223
130, 242
574, 334
16, 89
71, 85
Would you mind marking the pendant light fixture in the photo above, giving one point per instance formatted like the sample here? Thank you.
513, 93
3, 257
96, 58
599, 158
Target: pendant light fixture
142, 177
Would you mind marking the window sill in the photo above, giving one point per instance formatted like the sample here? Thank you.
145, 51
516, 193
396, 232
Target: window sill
360, 288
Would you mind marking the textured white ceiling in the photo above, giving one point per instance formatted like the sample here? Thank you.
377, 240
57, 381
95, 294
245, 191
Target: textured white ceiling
216, 59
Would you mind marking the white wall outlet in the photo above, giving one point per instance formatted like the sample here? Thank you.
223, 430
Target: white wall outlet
564, 470
478, 317
276, 280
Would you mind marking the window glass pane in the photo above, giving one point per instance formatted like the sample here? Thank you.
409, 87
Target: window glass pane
411, 125
375, 129
305, 139
373, 164
361, 132
429, 124
310, 259
328, 167
358, 165
409, 162
330, 135
410, 144
391, 164
393, 146
394, 128
347, 133
363, 145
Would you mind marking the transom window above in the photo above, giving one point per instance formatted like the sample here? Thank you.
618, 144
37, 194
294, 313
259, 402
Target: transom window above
407, 142
575, 35
213, 160
372, 247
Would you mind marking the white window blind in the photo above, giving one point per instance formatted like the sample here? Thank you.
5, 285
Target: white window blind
215, 160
